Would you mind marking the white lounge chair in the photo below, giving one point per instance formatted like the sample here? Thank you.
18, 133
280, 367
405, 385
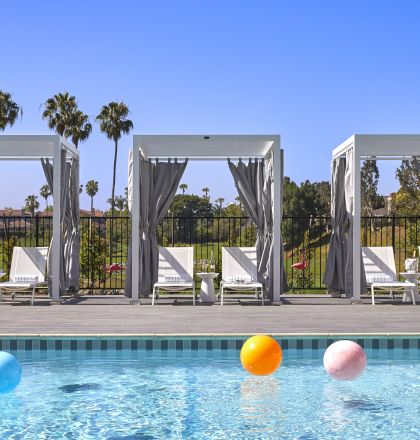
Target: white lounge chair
27, 271
381, 274
239, 271
176, 271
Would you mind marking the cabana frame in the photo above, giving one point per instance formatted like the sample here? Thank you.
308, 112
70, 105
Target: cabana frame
211, 147
371, 147
35, 148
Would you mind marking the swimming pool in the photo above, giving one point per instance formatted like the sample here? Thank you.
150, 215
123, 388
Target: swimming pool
203, 393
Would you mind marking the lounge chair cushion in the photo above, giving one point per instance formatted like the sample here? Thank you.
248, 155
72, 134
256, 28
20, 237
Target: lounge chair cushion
378, 278
240, 279
24, 278
172, 279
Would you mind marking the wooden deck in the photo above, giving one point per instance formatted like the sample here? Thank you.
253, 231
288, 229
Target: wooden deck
299, 315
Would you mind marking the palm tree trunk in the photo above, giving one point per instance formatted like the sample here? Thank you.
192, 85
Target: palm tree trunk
113, 202
91, 205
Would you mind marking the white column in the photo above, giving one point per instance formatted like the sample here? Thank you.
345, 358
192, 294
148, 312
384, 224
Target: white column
135, 218
56, 246
277, 202
356, 223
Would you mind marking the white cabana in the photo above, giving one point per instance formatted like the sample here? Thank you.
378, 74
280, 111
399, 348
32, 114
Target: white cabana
164, 149
64, 183
352, 151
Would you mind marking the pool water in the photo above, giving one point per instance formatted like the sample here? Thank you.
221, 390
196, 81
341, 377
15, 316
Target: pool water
132, 395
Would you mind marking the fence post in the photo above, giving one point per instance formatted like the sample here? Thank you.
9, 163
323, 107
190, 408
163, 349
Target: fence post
393, 232
36, 230
173, 230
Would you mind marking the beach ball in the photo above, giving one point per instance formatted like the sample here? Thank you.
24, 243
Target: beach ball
261, 355
10, 372
344, 360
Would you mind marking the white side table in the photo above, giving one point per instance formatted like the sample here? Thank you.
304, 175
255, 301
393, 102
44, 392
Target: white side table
207, 294
411, 277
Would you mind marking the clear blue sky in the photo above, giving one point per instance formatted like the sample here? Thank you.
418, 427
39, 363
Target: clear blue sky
313, 71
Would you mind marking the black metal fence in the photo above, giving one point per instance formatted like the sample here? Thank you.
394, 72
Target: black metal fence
301, 235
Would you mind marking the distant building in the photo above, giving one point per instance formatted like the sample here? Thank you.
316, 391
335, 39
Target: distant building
10, 212
83, 213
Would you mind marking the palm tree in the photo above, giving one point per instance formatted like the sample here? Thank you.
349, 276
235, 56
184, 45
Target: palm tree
206, 191
59, 111
120, 202
66, 119
9, 110
45, 192
238, 199
31, 203
113, 122
183, 187
220, 201
92, 188
80, 128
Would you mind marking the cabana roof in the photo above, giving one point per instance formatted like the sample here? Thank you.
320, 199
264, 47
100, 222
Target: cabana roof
33, 147
381, 146
202, 147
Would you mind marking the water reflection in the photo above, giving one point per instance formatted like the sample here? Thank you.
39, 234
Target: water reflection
258, 413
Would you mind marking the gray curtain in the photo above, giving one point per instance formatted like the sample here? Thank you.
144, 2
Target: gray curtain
253, 183
65, 177
334, 276
348, 181
265, 265
72, 235
158, 184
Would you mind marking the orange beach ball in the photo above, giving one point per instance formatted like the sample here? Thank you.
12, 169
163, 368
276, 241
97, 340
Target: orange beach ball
261, 355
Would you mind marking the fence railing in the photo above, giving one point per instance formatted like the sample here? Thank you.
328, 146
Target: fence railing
207, 235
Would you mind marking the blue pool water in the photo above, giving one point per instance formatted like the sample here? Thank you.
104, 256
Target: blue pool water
132, 395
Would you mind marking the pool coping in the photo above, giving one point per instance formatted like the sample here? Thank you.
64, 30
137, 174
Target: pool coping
203, 335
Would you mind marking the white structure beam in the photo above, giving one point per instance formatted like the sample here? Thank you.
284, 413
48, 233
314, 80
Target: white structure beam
57, 227
135, 228
356, 225
277, 155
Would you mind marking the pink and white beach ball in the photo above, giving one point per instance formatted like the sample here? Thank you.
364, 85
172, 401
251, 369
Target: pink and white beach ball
344, 360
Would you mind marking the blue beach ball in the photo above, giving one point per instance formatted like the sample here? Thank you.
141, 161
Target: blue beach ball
10, 372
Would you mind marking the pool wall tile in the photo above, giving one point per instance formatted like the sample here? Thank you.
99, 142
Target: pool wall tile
412, 344
231, 344
383, 344
195, 343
